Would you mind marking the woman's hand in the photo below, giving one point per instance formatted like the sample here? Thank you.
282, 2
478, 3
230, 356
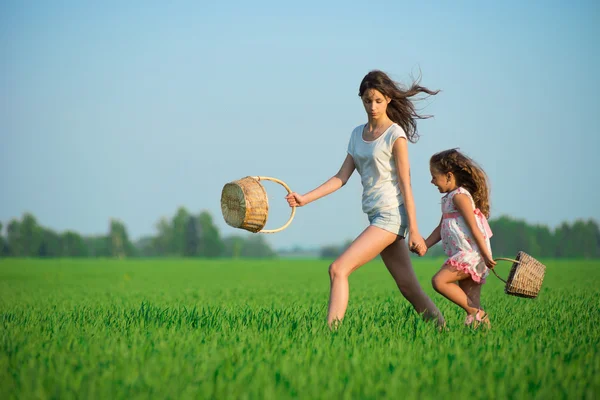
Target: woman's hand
416, 244
295, 200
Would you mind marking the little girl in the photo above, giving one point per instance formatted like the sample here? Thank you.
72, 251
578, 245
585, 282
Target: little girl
463, 230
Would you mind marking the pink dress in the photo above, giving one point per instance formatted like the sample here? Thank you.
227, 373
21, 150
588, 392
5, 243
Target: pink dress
458, 242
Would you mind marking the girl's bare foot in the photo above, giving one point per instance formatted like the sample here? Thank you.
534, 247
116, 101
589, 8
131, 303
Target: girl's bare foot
481, 318
469, 320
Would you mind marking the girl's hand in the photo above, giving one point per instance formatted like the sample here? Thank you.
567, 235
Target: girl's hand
416, 244
489, 261
295, 200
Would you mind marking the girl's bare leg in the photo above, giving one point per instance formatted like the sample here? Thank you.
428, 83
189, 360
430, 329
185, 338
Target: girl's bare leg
473, 291
397, 261
444, 282
365, 247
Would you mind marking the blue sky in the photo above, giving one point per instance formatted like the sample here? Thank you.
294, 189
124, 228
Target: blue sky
130, 110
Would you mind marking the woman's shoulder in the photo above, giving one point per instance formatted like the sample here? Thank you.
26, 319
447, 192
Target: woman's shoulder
394, 132
358, 128
357, 131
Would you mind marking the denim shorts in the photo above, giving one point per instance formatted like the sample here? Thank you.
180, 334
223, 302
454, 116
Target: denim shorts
393, 220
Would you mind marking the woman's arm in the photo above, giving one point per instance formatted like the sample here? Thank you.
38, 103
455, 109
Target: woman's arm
465, 208
400, 151
330, 186
435, 236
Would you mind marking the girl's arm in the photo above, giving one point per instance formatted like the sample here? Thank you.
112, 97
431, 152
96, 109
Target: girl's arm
435, 236
465, 208
330, 186
400, 151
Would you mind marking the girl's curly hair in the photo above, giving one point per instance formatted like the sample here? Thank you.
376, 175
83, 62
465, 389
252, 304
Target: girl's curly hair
468, 174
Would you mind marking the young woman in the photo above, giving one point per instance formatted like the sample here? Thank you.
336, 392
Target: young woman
379, 151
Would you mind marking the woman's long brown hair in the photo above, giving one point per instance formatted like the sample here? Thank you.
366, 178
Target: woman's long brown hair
401, 108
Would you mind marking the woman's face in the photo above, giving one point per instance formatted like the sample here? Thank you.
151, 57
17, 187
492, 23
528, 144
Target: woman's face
375, 103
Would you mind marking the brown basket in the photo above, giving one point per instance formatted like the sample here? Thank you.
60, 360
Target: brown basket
244, 204
525, 277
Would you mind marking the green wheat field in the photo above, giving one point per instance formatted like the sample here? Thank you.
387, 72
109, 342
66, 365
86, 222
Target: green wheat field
242, 329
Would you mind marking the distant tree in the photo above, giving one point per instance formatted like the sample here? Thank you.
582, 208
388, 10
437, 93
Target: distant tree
13, 238
163, 239
329, 252
233, 246
30, 235
191, 245
564, 245
72, 245
119, 244
210, 244
144, 247
179, 225
333, 251
3, 247
546, 241
596, 229
511, 236
578, 240
98, 246
256, 246
50, 245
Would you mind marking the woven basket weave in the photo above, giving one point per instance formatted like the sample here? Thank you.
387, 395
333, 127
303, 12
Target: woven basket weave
244, 204
525, 277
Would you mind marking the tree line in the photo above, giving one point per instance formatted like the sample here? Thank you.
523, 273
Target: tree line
184, 235
190, 235
580, 239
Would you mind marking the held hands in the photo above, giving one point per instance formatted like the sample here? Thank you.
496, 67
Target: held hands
416, 244
295, 200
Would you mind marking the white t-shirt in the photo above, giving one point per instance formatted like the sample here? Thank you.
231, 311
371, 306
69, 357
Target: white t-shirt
375, 163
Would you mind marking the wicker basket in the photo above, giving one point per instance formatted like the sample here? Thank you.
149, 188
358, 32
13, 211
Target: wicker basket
244, 204
525, 277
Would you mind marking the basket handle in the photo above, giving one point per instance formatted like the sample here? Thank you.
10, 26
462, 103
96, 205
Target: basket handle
505, 259
282, 183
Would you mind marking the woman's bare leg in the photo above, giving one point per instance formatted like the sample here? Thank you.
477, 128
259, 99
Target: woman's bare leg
397, 261
364, 248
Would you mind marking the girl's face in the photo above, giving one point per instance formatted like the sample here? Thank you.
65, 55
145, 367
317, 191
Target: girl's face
444, 182
375, 103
